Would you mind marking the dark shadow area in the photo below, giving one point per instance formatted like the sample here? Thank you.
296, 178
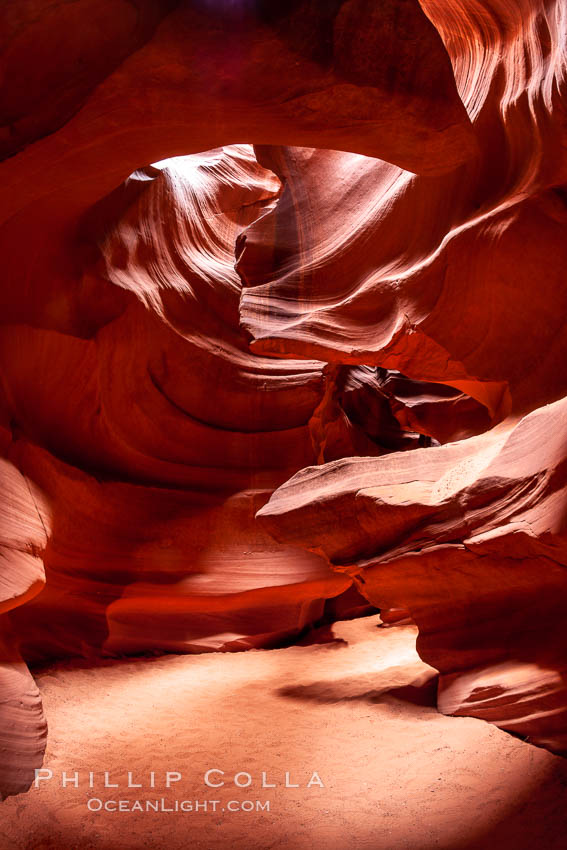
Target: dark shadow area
421, 692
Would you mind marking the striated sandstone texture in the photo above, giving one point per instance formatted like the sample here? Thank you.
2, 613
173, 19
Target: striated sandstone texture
282, 336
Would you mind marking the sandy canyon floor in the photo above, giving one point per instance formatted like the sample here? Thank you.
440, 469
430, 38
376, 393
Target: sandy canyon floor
397, 775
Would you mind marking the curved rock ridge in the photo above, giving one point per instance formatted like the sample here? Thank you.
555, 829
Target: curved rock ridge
163, 435
137, 403
23, 730
470, 539
360, 285
455, 279
510, 62
219, 73
24, 524
188, 81
24, 528
374, 278
135, 460
212, 366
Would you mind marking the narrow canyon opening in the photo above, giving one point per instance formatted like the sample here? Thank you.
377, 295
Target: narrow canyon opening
159, 548
282, 425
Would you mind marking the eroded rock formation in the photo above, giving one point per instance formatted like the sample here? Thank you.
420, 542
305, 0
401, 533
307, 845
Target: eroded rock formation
213, 367
24, 527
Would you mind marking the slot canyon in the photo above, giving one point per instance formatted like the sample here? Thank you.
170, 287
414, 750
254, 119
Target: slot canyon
283, 424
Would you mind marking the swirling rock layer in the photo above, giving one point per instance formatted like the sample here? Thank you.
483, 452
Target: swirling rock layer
24, 526
213, 366
470, 539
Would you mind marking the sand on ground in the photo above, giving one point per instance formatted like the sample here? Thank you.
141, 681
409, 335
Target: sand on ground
357, 711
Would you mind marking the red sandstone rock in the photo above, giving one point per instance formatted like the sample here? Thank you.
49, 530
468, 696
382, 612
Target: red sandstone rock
23, 729
24, 525
470, 539
312, 280
150, 407
198, 431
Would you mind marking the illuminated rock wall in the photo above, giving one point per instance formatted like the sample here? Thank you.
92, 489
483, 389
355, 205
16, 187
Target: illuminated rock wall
213, 366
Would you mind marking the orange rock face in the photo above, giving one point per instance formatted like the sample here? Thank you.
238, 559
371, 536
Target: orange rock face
216, 367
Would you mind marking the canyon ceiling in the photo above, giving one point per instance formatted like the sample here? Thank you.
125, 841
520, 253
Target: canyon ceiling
283, 336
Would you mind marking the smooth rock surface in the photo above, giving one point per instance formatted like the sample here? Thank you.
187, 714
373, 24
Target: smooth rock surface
213, 366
